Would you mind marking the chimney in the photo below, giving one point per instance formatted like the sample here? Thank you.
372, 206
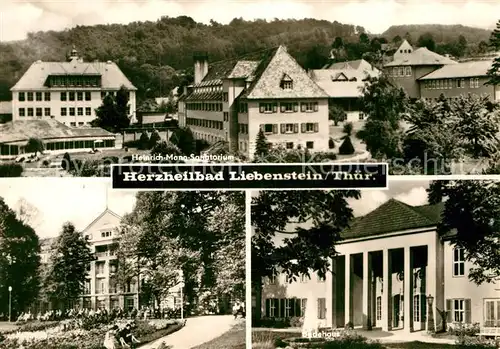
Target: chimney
200, 66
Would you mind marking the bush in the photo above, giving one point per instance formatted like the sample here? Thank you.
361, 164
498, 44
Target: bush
11, 170
346, 148
46, 163
271, 323
347, 129
154, 139
66, 162
37, 326
331, 144
279, 343
144, 141
132, 144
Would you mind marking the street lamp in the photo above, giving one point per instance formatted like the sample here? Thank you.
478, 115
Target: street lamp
10, 303
430, 314
181, 276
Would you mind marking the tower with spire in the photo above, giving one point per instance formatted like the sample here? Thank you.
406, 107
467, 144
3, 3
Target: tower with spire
73, 56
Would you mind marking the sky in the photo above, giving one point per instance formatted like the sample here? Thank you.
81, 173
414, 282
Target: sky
60, 200
18, 17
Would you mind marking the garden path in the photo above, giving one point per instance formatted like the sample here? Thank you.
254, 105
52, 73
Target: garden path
198, 330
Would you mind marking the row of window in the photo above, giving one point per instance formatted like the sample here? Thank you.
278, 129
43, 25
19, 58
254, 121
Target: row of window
31, 96
292, 307
79, 111
64, 96
288, 107
218, 125
274, 278
400, 72
288, 128
451, 83
208, 137
108, 143
80, 81
204, 106
39, 112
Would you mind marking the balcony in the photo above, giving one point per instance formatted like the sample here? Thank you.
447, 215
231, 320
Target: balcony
105, 255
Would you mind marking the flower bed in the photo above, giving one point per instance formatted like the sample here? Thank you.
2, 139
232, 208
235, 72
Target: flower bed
59, 337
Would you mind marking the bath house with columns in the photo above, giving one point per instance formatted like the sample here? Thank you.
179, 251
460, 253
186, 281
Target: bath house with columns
393, 272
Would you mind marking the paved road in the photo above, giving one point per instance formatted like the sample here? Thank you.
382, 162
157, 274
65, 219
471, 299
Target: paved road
198, 330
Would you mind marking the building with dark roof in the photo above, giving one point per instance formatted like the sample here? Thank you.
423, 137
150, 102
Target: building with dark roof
393, 272
232, 100
67, 91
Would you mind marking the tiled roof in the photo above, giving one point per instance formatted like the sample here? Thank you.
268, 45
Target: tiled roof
421, 56
394, 216
14, 131
243, 69
340, 89
359, 64
268, 78
460, 70
205, 96
36, 75
6, 107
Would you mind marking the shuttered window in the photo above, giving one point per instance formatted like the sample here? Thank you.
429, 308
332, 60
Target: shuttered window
458, 310
321, 308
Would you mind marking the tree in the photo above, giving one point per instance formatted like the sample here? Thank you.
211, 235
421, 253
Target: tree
336, 113
321, 215
346, 148
477, 125
427, 40
154, 139
364, 39
68, 266
494, 71
338, 43
112, 115
385, 105
164, 148
184, 139
144, 141
261, 146
27, 213
19, 261
34, 145
471, 211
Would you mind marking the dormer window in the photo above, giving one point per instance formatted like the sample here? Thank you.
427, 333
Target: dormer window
286, 82
353, 79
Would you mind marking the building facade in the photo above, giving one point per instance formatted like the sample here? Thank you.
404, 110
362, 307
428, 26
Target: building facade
344, 83
391, 273
232, 100
69, 92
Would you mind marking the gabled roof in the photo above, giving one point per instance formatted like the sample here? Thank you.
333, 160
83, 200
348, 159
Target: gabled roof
359, 64
326, 79
421, 56
460, 70
106, 211
36, 75
22, 130
394, 216
268, 77
243, 69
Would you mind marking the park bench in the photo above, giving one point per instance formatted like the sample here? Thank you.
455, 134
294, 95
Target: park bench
489, 332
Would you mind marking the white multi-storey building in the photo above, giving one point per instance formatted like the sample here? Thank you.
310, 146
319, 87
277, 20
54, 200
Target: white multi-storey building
68, 92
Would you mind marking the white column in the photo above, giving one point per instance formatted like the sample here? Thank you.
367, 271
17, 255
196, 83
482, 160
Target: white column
430, 277
348, 296
386, 291
367, 322
330, 293
408, 288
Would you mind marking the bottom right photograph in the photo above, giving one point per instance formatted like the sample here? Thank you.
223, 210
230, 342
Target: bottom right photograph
411, 266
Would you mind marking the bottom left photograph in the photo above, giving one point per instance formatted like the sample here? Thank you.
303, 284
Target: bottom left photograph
83, 266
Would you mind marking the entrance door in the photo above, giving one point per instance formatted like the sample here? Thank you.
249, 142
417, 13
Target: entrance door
396, 308
419, 312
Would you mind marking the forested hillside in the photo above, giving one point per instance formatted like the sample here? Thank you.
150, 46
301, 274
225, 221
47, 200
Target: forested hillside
442, 34
157, 56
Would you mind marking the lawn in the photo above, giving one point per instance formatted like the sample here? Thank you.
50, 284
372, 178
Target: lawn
420, 345
337, 134
232, 339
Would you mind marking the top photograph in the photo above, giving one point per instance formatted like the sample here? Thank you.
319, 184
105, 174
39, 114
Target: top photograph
415, 84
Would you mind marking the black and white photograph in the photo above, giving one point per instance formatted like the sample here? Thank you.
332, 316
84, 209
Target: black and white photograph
414, 266
86, 267
414, 83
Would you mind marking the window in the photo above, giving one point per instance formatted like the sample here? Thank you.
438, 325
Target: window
72, 124
21, 112
476, 82
226, 116
272, 278
401, 71
63, 111
30, 111
309, 127
88, 111
395, 71
492, 313
310, 145
47, 96
81, 123
47, 111
321, 308
408, 71
289, 128
225, 96
309, 107
64, 96
458, 262
72, 111
268, 107
80, 111
287, 85
272, 308
462, 83
39, 112
361, 116
379, 308
30, 96
87, 96
289, 145
416, 308
270, 128
458, 310
38, 96
71, 96
87, 287
99, 268
471, 83
289, 107
21, 97
79, 96
288, 307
